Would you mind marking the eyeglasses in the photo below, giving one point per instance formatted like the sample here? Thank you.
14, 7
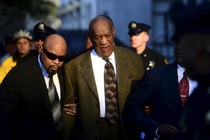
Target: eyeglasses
52, 56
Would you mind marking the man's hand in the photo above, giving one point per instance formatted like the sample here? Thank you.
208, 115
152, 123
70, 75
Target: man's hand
70, 109
167, 131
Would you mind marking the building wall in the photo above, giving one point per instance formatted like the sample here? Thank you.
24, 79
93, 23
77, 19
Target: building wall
88, 11
121, 11
124, 11
76, 15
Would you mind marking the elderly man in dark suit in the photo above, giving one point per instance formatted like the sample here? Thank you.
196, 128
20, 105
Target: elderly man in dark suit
28, 100
85, 80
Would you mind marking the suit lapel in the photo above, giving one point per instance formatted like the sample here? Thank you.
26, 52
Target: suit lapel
122, 72
87, 73
41, 86
61, 81
173, 85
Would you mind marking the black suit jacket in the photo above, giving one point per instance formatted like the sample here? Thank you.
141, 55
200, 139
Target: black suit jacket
195, 120
159, 88
24, 104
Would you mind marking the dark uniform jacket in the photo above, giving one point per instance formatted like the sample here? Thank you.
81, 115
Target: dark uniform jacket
152, 59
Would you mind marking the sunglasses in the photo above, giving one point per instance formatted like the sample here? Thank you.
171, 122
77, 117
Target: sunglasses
52, 56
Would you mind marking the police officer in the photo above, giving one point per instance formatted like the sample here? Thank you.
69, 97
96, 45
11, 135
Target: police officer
41, 31
139, 36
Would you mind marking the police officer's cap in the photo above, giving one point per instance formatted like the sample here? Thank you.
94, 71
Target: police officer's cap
41, 31
136, 28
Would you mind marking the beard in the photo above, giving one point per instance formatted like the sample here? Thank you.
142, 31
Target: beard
52, 69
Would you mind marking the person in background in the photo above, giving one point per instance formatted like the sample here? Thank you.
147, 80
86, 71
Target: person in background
9, 48
88, 43
85, 81
41, 31
30, 104
22, 40
139, 36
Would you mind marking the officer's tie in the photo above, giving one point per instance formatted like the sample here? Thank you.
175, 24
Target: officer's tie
184, 88
110, 86
55, 103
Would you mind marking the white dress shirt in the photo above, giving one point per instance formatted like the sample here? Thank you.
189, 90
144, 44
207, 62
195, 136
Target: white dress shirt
98, 65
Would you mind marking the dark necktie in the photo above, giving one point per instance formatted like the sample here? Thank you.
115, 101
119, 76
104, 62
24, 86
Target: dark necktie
55, 103
110, 86
184, 88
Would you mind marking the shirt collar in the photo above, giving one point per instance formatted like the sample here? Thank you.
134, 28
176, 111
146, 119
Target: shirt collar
44, 72
180, 69
99, 58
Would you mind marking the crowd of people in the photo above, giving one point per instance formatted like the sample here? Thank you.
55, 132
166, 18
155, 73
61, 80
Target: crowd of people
108, 92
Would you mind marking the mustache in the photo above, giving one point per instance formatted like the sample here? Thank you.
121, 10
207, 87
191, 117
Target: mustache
51, 70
